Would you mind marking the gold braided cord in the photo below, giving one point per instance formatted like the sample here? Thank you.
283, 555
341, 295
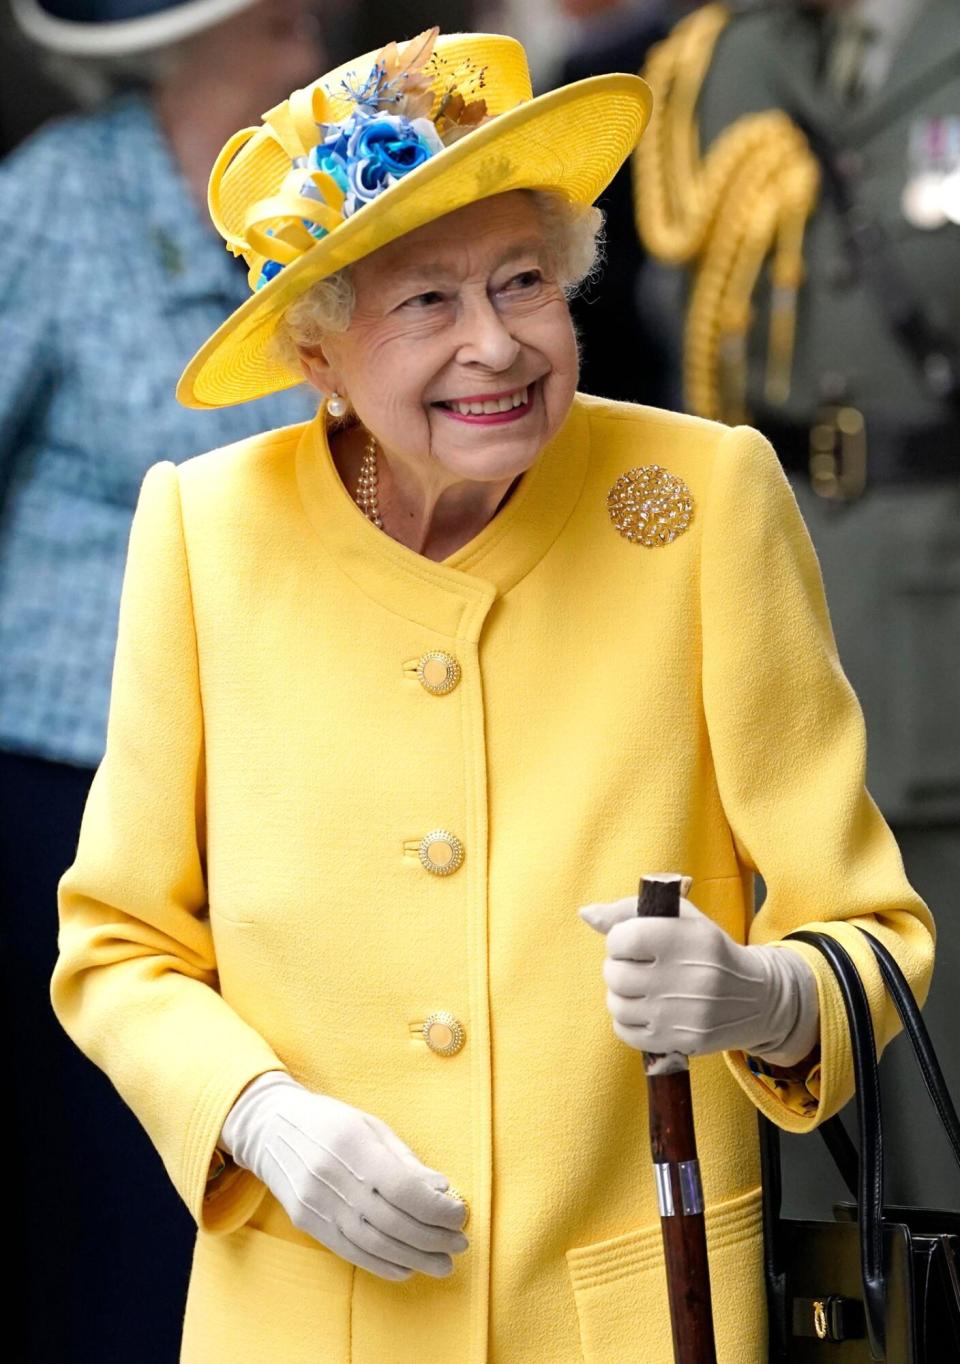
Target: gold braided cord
726, 215
669, 175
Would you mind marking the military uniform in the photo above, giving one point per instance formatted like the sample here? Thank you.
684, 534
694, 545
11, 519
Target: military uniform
888, 531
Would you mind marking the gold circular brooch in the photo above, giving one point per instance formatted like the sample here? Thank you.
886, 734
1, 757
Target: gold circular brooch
650, 506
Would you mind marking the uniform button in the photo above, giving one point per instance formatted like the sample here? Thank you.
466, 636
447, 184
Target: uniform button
438, 672
454, 1193
443, 1033
441, 852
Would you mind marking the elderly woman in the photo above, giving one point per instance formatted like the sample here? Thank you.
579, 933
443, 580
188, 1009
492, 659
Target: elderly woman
400, 691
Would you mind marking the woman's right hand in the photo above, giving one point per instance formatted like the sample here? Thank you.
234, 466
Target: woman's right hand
345, 1178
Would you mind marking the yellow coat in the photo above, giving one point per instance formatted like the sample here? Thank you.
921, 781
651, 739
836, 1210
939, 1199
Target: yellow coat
248, 892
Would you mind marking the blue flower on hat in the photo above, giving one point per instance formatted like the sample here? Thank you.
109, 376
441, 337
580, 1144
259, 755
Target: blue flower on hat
326, 159
271, 268
380, 151
337, 136
365, 154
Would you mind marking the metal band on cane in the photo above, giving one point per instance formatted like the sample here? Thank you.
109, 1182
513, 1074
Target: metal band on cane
691, 1187
661, 1173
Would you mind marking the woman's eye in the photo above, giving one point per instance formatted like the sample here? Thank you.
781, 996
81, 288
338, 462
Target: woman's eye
527, 279
424, 300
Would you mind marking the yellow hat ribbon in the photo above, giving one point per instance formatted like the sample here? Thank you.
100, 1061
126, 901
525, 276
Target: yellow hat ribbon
391, 121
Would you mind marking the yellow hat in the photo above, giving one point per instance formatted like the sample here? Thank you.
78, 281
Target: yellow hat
379, 147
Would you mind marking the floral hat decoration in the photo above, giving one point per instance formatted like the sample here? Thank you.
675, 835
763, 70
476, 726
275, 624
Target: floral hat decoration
379, 147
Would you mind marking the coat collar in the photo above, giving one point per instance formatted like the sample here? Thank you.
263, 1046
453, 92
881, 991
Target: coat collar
451, 597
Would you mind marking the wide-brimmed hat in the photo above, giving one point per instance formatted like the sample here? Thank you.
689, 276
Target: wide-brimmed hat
381, 146
118, 28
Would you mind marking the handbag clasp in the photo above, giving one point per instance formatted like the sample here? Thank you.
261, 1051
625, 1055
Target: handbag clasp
832, 1318
820, 1319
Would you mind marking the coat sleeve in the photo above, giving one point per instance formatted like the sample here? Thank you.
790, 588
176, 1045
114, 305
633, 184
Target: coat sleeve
789, 750
135, 983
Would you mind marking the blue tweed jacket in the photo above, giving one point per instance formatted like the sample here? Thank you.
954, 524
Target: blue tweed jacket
110, 280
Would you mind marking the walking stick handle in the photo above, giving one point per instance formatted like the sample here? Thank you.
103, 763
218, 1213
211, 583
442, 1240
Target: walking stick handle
673, 1145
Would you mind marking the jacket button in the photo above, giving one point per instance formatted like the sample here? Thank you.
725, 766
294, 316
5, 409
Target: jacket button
438, 672
455, 1193
443, 1033
441, 852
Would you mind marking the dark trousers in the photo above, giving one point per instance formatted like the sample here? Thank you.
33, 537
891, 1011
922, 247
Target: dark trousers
100, 1242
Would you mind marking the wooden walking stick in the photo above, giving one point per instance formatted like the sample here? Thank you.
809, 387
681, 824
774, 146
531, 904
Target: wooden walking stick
677, 1171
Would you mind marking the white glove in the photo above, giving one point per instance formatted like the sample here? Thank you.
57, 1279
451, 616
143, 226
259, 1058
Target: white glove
345, 1178
684, 985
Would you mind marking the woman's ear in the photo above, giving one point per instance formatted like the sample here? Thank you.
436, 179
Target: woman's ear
317, 369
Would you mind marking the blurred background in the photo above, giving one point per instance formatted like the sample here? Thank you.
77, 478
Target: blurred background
811, 287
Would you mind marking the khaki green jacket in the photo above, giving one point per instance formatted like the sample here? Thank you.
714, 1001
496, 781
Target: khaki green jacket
891, 561
248, 893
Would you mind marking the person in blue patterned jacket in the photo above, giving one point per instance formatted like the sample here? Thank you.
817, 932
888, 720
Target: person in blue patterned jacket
111, 277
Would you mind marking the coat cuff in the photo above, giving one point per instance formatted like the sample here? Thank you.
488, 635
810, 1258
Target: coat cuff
803, 1102
797, 1086
221, 1195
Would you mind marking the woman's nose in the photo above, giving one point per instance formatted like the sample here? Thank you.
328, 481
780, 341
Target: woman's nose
486, 339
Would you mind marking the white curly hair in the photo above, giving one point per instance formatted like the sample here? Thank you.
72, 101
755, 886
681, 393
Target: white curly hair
573, 234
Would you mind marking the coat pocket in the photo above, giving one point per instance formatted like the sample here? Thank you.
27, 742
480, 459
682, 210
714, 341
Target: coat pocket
256, 1297
620, 1289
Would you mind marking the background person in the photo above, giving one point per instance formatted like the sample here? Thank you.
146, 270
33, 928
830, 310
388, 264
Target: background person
838, 125
112, 274
400, 689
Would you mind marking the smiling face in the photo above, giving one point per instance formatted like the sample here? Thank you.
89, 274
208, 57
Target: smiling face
460, 350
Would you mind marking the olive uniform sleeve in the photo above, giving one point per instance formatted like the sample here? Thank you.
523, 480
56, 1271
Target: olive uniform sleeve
789, 749
135, 984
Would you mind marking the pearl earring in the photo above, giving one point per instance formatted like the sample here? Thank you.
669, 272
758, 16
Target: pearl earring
337, 405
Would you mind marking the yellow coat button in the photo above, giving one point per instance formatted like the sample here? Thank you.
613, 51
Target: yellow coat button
441, 852
438, 672
454, 1193
443, 1033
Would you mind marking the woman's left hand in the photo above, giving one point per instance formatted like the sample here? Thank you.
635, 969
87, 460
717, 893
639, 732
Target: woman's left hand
684, 985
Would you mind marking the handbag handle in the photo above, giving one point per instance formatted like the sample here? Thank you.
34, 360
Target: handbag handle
834, 1134
915, 1030
867, 1186
870, 1126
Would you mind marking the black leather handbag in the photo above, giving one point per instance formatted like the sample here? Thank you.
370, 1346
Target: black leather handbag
880, 1282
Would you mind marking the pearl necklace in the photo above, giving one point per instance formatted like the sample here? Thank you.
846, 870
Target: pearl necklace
366, 498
